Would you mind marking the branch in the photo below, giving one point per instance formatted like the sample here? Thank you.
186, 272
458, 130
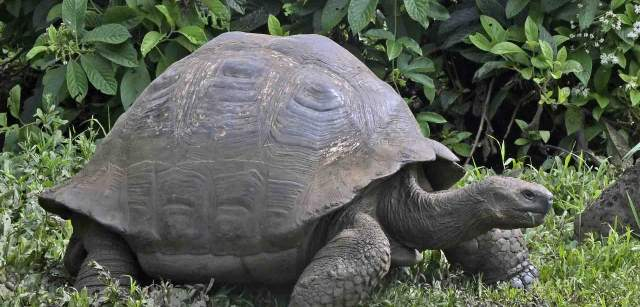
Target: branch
515, 113
483, 118
589, 154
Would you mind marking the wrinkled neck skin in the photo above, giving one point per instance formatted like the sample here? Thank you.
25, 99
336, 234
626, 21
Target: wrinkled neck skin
424, 220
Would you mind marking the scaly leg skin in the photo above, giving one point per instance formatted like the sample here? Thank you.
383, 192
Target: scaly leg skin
74, 254
111, 252
345, 270
498, 255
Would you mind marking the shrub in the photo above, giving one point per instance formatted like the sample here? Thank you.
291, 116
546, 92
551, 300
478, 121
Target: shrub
546, 76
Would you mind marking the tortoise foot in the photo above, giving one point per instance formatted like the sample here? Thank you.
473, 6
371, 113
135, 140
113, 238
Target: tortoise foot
525, 275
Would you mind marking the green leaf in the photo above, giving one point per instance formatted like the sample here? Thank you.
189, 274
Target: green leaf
76, 81
73, 13
394, 49
571, 66
3, 120
514, 7
417, 10
480, 41
616, 3
13, 102
601, 78
194, 34
167, 15
431, 117
547, 52
122, 15
521, 141
274, 26
635, 97
35, 51
220, 11
544, 135
538, 62
493, 28
597, 113
55, 12
522, 124
573, 120
562, 55
560, 39
487, 68
592, 132
185, 43
100, 73
603, 101
360, 13
437, 11
417, 65
531, 30
428, 86
377, 34
237, 5
587, 13
493, 8
332, 13
122, 54
150, 40
52, 83
632, 151
617, 139
563, 94
109, 33
133, 83
585, 63
410, 44
462, 149
424, 128
506, 48
526, 72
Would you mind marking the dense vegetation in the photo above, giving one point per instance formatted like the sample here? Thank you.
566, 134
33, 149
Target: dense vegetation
545, 76
491, 79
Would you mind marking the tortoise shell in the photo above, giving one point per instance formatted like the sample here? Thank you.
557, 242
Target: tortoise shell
241, 146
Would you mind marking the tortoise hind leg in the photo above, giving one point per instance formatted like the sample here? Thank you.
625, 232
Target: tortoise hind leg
498, 255
111, 252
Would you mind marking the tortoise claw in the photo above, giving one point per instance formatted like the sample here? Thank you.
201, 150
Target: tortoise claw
525, 277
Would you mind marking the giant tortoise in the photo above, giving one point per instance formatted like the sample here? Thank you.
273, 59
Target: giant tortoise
271, 160
617, 208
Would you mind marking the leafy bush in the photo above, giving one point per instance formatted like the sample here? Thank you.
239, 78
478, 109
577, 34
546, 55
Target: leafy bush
545, 75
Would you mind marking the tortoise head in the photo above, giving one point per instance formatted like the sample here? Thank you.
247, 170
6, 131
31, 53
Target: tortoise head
421, 217
515, 203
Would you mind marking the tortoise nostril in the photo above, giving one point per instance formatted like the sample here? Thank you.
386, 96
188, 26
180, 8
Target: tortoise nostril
549, 203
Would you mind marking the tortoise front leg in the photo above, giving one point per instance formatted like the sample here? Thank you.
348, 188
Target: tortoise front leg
111, 252
345, 270
498, 255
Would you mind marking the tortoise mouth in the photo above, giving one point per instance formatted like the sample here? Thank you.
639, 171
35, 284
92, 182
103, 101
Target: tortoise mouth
529, 217
542, 211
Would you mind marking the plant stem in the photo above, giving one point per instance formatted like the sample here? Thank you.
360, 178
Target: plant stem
483, 117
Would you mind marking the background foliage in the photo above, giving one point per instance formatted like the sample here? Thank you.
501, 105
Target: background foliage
491, 79
544, 76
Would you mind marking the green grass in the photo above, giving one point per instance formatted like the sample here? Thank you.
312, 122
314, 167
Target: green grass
32, 244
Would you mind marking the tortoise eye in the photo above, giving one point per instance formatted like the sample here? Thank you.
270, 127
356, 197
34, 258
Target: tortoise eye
528, 194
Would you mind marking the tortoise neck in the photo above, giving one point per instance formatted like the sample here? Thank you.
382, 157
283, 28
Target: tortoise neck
431, 220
